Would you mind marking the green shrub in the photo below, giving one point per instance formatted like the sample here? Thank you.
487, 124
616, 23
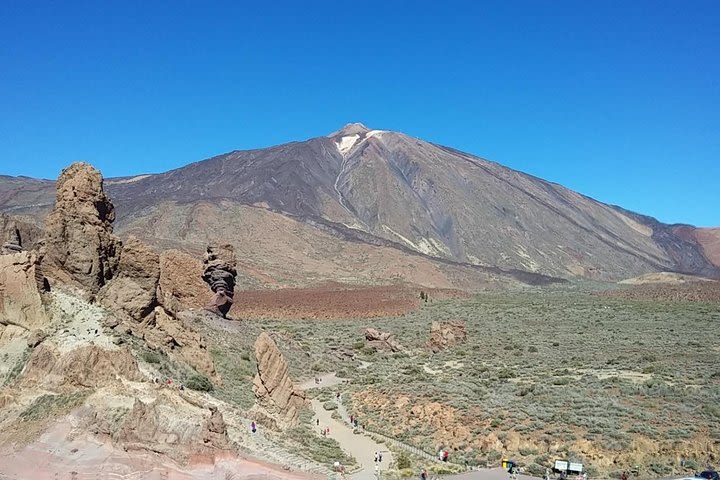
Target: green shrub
200, 383
151, 356
330, 406
402, 460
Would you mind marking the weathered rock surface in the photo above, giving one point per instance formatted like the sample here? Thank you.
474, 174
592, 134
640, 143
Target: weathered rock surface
89, 366
80, 248
21, 285
181, 286
276, 398
215, 430
220, 272
159, 427
18, 233
133, 290
174, 336
383, 341
446, 334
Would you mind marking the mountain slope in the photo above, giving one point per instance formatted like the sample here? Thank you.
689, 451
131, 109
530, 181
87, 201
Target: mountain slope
379, 186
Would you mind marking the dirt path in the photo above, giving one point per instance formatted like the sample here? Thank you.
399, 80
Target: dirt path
360, 446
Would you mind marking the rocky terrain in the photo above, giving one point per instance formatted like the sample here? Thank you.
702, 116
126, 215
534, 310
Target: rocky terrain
100, 365
463, 221
144, 328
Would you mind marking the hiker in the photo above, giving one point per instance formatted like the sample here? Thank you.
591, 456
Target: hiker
356, 423
253, 427
380, 457
337, 396
318, 422
423, 474
376, 457
446, 454
352, 418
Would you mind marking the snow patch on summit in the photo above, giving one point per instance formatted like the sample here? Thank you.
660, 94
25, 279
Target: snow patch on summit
346, 143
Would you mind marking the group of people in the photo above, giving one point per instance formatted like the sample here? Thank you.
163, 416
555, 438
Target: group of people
378, 457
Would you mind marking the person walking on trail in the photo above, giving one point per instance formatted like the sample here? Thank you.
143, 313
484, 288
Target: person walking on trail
376, 457
423, 474
253, 426
318, 422
352, 419
380, 457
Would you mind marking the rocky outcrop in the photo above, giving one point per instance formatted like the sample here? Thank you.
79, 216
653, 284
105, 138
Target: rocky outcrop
220, 272
215, 430
133, 297
159, 427
277, 401
17, 233
12, 242
80, 248
133, 290
176, 337
446, 334
21, 285
181, 286
89, 366
382, 341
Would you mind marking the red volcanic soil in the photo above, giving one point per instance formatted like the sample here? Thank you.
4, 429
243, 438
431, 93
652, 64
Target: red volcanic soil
708, 291
334, 301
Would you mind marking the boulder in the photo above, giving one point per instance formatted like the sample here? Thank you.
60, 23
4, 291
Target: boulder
382, 341
277, 400
446, 334
80, 248
18, 233
220, 272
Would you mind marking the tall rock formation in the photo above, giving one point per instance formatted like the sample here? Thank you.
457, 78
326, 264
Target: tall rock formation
276, 399
80, 248
220, 272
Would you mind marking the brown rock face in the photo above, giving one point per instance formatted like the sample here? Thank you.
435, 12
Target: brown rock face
215, 430
181, 286
446, 334
276, 399
12, 239
133, 290
133, 297
20, 292
158, 427
80, 248
89, 366
220, 272
174, 336
382, 340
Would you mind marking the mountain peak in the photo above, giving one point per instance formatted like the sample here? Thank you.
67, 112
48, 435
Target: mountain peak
350, 129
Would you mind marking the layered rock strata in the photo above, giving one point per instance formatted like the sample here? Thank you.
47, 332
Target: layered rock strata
277, 400
220, 272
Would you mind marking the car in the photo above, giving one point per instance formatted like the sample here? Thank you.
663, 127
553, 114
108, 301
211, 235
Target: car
708, 475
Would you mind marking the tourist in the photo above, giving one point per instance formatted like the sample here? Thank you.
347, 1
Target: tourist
379, 456
253, 427
318, 422
376, 457
423, 474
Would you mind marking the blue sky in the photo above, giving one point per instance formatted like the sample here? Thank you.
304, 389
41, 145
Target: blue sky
617, 100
